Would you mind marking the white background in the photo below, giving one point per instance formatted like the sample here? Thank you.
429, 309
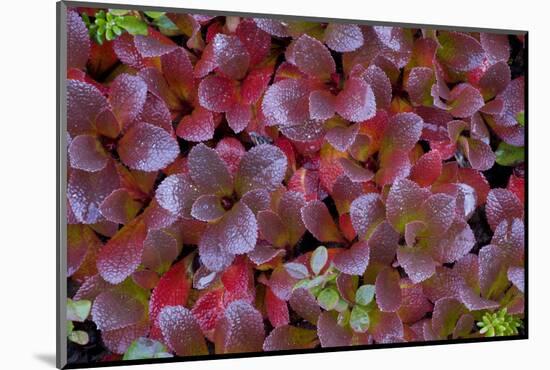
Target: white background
27, 181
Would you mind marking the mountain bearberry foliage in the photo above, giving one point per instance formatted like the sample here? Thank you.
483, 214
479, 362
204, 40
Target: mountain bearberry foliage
243, 185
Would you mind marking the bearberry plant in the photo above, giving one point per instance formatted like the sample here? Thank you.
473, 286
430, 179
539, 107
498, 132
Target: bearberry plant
248, 184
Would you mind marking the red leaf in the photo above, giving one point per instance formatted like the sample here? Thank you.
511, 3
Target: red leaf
343, 37
231, 56
459, 51
121, 256
417, 262
313, 58
230, 151
154, 44
181, 331
127, 97
290, 337
427, 169
217, 93
238, 281
353, 261
388, 290
81, 242
502, 205
207, 208
86, 153
172, 290
198, 126
235, 233
367, 212
305, 305
419, 84
178, 71
78, 41
497, 47
207, 310
256, 41
84, 103
262, 167
238, 117
119, 207
176, 194
208, 171
517, 186
87, 190
147, 148
356, 102
319, 222
285, 103
277, 309
116, 310
240, 329
321, 105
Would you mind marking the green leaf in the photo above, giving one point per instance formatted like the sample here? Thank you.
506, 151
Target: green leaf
296, 270
364, 294
520, 117
132, 24
145, 348
165, 24
318, 259
70, 327
328, 298
509, 155
341, 306
359, 319
79, 337
119, 11
154, 15
78, 310
343, 318
109, 34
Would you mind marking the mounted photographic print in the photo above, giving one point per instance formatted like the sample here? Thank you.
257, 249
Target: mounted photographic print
236, 185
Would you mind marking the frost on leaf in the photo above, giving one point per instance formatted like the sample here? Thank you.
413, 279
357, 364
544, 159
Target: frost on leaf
366, 212
343, 37
176, 194
230, 56
285, 102
502, 205
217, 93
356, 102
208, 171
84, 103
240, 329
181, 331
197, 126
305, 305
313, 58
121, 256
353, 261
87, 190
319, 222
290, 337
87, 154
115, 310
119, 207
147, 148
459, 51
388, 290
262, 167
235, 233
78, 42
127, 97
